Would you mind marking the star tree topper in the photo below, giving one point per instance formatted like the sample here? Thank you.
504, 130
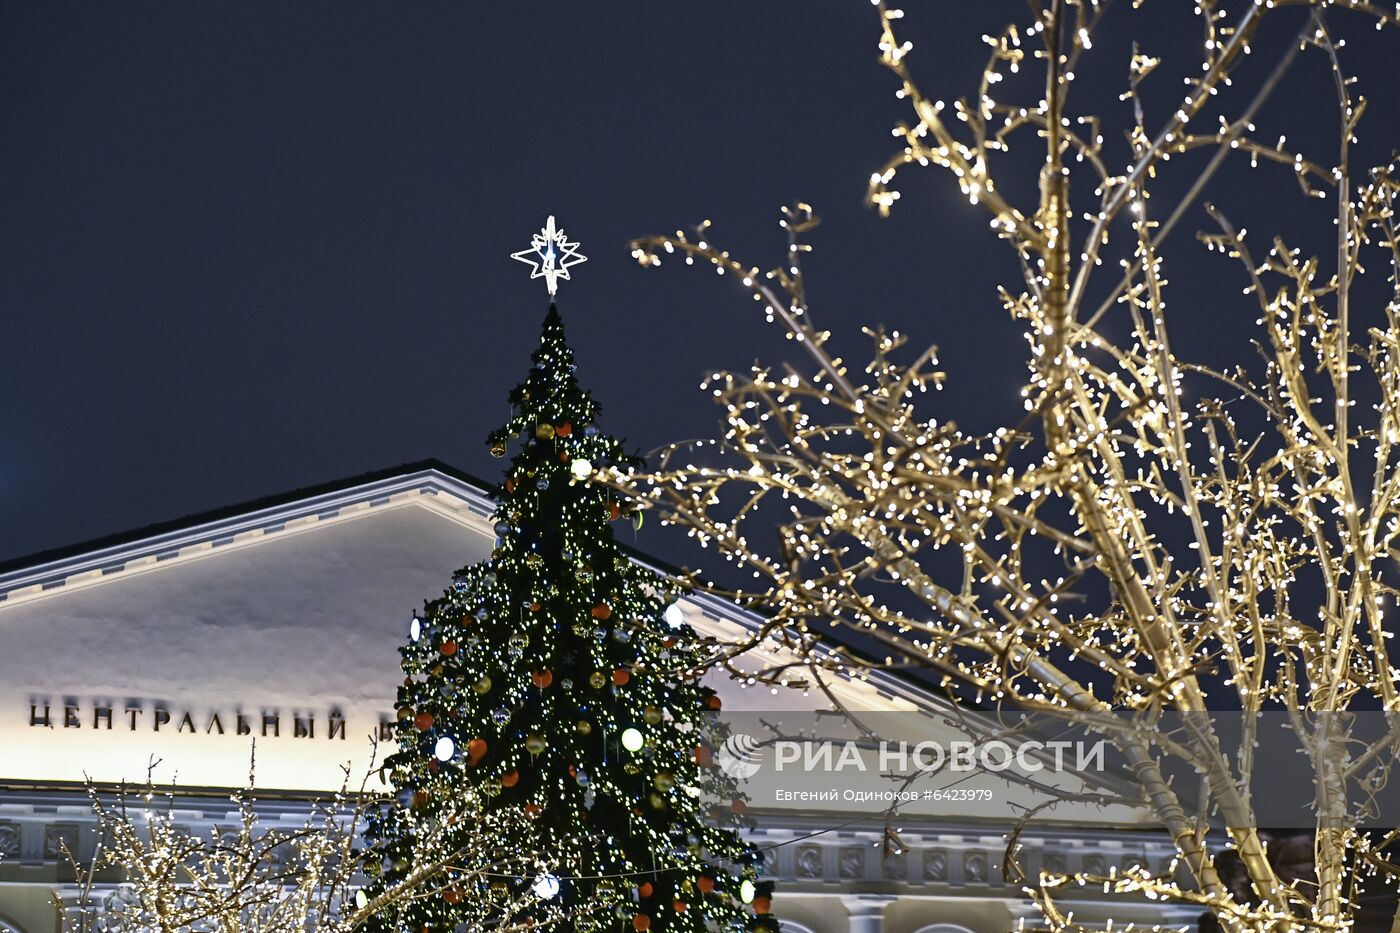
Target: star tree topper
550, 255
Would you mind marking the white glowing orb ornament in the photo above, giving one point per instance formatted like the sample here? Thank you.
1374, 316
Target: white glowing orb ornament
546, 887
415, 629
445, 748
632, 739
747, 891
674, 616
581, 468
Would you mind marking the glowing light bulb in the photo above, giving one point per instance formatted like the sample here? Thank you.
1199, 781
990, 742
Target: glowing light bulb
546, 887
632, 739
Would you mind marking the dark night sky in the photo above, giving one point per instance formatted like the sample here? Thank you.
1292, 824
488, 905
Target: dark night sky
250, 247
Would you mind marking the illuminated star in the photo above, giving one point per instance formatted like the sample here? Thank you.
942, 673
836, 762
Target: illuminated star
550, 255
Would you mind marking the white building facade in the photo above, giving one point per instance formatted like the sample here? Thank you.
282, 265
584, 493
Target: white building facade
279, 623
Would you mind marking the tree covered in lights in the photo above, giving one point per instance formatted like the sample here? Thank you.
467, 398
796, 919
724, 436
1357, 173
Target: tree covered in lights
1166, 523
553, 679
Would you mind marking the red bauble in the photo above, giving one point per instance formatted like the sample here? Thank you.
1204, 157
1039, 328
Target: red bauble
420, 799
763, 905
476, 750
621, 677
452, 896
424, 721
678, 906
510, 484
641, 922
542, 679
511, 779
564, 429
645, 889
737, 806
705, 883
449, 648
714, 703
602, 611
614, 511
533, 810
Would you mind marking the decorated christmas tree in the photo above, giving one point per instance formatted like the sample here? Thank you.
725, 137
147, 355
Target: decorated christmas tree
559, 679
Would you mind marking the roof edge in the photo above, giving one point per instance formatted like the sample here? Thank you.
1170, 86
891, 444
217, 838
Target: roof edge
108, 554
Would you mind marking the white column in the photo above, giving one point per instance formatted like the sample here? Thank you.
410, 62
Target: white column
866, 912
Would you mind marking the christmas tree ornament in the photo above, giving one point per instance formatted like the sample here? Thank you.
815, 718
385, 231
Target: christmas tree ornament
498, 449
584, 727
445, 748
581, 468
597, 680
545, 432
652, 715
550, 256
546, 887
482, 685
535, 744
632, 739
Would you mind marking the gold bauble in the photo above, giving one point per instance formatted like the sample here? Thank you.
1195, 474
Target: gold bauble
657, 801
597, 680
498, 449
632, 768
663, 781
483, 685
652, 715
535, 744
545, 432
584, 727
